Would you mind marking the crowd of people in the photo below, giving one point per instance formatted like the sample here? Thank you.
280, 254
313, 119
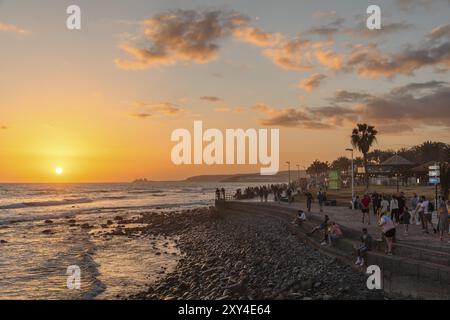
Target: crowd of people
402, 211
278, 192
388, 211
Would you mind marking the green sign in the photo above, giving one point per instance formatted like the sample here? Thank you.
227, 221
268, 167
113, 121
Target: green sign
333, 180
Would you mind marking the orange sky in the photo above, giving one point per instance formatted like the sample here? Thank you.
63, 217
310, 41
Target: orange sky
74, 99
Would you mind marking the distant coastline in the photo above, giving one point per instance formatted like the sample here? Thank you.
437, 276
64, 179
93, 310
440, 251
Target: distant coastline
243, 177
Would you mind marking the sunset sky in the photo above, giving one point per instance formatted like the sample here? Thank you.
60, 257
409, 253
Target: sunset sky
102, 102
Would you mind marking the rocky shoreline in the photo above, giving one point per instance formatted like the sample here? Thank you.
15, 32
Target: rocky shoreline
243, 256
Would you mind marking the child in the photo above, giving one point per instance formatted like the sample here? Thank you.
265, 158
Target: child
366, 245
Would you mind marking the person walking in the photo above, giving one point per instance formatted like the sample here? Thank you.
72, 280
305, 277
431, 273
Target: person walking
365, 207
384, 207
427, 210
394, 209
414, 204
321, 197
375, 203
443, 225
309, 200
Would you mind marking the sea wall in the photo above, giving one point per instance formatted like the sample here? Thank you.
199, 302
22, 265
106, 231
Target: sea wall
414, 271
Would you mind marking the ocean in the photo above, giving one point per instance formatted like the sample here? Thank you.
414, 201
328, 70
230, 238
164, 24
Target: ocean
36, 252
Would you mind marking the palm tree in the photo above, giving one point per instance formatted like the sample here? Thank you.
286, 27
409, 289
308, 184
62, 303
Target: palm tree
363, 137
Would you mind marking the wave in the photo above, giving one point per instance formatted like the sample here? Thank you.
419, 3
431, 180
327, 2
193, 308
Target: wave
49, 203
113, 198
145, 191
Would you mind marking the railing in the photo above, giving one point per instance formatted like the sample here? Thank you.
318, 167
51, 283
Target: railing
224, 197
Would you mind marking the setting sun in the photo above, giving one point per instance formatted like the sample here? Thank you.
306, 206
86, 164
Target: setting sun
59, 171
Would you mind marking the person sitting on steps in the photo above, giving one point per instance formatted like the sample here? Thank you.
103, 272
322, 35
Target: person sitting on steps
322, 226
301, 216
366, 245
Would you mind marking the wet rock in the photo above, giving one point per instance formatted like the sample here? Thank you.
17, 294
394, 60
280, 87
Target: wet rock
242, 256
307, 284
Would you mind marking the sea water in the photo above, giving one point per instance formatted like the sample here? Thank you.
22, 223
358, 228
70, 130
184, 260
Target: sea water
34, 261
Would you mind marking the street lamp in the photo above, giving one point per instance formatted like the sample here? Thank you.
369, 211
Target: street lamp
298, 172
353, 180
289, 171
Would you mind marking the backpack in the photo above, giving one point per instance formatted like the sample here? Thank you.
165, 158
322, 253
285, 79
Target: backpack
430, 206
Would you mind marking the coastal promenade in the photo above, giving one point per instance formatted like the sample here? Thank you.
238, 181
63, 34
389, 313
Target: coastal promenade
419, 268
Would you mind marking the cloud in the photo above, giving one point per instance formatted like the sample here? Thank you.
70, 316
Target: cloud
336, 27
157, 109
225, 109
329, 59
419, 88
386, 28
369, 61
3, 127
408, 5
211, 99
256, 36
419, 104
6, 27
329, 29
406, 108
440, 32
344, 96
180, 35
194, 36
312, 82
302, 54
141, 115
324, 14
289, 117
292, 54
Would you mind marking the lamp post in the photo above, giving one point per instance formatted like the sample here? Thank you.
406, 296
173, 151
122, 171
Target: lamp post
353, 180
289, 171
298, 173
